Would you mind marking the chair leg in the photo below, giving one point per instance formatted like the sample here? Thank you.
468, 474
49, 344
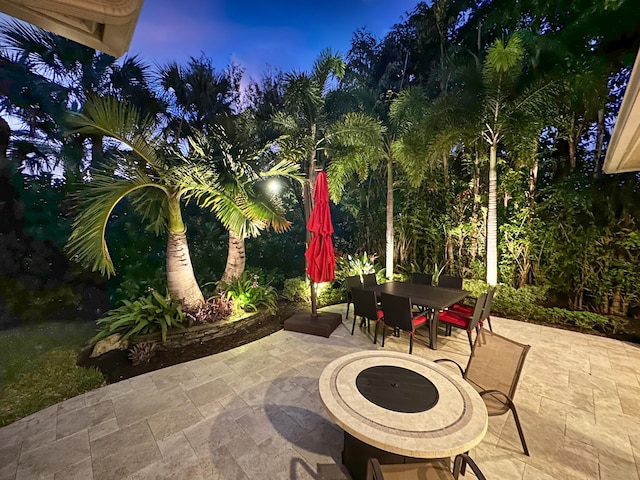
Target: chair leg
375, 333
411, 343
384, 328
470, 340
519, 427
489, 321
347, 315
353, 328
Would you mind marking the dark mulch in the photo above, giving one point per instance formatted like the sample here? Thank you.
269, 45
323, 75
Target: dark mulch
193, 343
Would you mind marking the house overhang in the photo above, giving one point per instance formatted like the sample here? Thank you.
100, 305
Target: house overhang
623, 153
106, 25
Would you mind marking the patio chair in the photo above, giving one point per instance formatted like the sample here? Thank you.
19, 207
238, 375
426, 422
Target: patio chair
466, 322
494, 369
447, 281
422, 278
428, 470
349, 284
369, 280
398, 314
466, 309
365, 306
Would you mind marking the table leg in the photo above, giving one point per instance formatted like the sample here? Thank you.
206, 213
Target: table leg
433, 330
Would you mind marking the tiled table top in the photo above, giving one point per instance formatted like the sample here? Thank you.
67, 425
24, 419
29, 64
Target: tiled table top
455, 424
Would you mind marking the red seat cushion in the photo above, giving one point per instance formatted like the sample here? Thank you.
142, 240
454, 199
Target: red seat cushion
380, 314
455, 318
417, 321
464, 309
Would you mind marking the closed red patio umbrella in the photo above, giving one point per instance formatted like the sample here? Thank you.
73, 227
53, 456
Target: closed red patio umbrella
320, 264
320, 257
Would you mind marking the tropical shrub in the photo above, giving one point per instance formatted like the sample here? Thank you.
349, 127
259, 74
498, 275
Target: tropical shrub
251, 293
298, 289
148, 314
350, 265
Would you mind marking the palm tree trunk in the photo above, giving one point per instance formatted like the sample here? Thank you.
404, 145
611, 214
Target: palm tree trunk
473, 249
389, 233
492, 220
235, 259
181, 280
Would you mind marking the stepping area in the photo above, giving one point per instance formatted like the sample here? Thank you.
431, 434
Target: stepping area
254, 412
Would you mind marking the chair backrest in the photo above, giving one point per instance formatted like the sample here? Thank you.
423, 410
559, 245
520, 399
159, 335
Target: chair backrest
478, 311
369, 280
365, 303
487, 304
397, 311
447, 281
422, 278
351, 282
495, 363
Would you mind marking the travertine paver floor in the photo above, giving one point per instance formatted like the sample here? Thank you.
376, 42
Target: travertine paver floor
254, 413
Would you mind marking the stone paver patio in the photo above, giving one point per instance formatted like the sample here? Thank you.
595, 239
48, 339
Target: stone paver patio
254, 413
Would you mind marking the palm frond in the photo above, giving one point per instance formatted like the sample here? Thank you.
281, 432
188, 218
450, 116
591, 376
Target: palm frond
114, 118
87, 243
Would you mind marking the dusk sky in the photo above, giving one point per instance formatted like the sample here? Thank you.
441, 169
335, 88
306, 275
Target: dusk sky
282, 34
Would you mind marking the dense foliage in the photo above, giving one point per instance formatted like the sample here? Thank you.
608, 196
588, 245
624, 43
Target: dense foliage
469, 140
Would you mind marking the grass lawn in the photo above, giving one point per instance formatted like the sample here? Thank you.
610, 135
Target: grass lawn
38, 367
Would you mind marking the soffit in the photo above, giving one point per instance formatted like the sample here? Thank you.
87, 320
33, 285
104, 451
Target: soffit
623, 153
106, 25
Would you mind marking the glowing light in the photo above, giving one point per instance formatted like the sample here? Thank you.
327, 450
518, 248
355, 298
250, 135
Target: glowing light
274, 186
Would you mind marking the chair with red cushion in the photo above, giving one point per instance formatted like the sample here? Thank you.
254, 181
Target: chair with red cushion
350, 283
468, 309
365, 306
398, 314
447, 281
466, 322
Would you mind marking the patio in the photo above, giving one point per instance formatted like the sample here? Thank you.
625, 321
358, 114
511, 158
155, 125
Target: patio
254, 412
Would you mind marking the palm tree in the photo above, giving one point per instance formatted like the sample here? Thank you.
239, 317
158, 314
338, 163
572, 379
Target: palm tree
507, 106
67, 72
312, 137
360, 143
202, 104
158, 179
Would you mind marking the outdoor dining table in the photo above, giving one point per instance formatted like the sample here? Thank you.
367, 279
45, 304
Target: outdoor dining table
400, 408
433, 297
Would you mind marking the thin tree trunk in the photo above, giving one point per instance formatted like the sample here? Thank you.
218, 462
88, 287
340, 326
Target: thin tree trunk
236, 259
308, 197
572, 152
389, 233
492, 220
473, 248
599, 142
181, 280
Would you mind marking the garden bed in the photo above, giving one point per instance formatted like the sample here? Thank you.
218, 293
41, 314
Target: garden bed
192, 343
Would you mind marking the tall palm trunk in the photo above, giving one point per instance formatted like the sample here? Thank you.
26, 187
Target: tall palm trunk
181, 280
492, 217
236, 259
389, 232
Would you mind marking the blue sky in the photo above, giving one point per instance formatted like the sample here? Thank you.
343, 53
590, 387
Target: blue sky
281, 34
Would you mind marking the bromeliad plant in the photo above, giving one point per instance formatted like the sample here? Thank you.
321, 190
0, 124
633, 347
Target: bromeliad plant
249, 294
151, 313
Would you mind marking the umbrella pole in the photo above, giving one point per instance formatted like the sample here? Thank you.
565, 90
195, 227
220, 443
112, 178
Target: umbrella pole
314, 306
